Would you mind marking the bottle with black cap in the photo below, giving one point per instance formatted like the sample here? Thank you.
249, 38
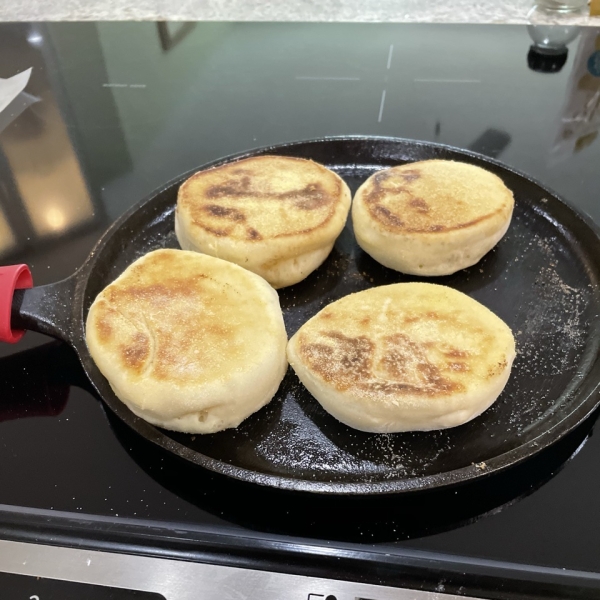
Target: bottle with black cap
548, 53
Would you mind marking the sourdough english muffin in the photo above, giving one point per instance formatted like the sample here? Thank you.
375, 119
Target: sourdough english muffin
189, 342
431, 218
274, 215
404, 357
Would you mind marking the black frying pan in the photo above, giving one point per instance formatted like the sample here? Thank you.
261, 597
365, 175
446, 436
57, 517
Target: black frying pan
542, 279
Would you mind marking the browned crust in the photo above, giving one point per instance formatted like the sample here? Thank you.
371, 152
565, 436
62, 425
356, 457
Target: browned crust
310, 197
135, 353
349, 362
394, 222
103, 325
404, 342
171, 338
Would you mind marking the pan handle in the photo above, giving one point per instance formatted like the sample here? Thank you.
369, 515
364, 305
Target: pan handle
13, 277
46, 309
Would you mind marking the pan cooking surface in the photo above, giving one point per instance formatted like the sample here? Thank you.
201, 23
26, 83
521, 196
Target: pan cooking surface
542, 279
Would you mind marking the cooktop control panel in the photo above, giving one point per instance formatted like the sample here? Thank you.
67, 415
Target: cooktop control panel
27, 587
37, 572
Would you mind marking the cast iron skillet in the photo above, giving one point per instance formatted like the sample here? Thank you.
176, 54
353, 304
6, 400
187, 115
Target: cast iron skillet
542, 279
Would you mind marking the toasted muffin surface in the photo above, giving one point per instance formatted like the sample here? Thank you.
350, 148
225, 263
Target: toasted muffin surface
261, 198
262, 213
403, 357
432, 217
178, 335
435, 196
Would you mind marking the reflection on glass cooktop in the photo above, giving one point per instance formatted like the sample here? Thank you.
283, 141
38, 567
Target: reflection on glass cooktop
116, 110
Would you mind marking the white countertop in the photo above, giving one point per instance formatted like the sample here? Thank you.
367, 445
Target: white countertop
428, 11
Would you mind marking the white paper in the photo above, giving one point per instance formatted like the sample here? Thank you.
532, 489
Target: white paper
10, 88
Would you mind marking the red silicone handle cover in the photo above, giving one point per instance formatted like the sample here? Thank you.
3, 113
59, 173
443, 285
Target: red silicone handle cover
14, 277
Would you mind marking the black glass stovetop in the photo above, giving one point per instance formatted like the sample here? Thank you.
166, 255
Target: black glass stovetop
114, 110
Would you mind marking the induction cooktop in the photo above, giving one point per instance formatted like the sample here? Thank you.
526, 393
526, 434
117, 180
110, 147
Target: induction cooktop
110, 112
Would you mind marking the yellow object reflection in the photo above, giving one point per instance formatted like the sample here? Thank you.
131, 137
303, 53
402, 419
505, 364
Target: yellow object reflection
46, 170
7, 239
55, 218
